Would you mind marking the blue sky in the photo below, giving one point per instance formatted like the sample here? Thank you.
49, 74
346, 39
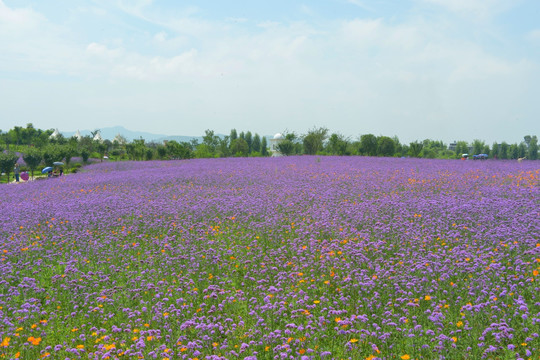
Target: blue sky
440, 69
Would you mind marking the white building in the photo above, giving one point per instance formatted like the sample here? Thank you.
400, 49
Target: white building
55, 134
120, 139
274, 142
98, 137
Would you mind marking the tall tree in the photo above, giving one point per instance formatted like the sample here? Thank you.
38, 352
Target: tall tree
533, 148
233, 135
503, 150
478, 146
285, 147
32, 157
368, 144
313, 141
256, 145
513, 151
522, 150
264, 146
385, 146
239, 147
461, 148
249, 140
337, 144
415, 148
211, 140
7, 162
495, 150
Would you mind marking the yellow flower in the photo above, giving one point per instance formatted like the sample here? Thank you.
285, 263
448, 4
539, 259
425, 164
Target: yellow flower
405, 357
353, 340
427, 298
459, 323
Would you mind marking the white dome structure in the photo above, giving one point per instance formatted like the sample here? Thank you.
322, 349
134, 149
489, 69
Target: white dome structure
274, 142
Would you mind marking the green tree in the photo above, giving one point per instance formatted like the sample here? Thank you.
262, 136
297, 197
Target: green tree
177, 150
285, 147
32, 157
503, 151
249, 140
233, 135
256, 145
533, 148
6, 139
52, 153
478, 146
68, 152
513, 151
522, 150
337, 144
313, 141
461, 148
385, 146
495, 150
149, 153
415, 148
85, 154
203, 151
223, 148
7, 162
211, 141
17, 133
264, 146
239, 147
161, 152
368, 144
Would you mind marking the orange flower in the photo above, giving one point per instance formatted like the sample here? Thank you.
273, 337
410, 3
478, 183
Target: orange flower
34, 341
405, 357
5, 342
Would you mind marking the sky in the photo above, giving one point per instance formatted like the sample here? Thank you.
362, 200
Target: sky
439, 69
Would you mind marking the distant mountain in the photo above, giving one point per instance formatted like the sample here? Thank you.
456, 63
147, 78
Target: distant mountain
111, 132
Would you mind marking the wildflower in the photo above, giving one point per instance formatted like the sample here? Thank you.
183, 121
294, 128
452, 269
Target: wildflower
427, 298
353, 340
5, 342
34, 341
405, 357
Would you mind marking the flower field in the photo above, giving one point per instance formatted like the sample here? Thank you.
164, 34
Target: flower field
274, 258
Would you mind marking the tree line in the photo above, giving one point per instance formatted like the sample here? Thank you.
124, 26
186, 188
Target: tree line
39, 148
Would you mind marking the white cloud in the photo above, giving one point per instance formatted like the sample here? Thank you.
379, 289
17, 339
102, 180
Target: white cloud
363, 74
475, 8
534, 35
360, 4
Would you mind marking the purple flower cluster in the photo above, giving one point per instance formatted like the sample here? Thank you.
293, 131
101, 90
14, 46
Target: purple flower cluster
282, 258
